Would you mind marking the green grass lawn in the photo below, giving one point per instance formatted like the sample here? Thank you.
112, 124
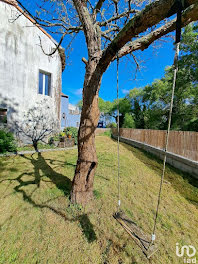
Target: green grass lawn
39, 225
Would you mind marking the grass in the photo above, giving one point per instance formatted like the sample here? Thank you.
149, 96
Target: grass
106, 133
39, 225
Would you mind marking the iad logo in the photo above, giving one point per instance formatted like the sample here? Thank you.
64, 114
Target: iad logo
189, 250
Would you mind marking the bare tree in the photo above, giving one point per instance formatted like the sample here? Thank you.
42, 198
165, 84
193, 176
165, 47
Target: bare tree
36, 124
112, 28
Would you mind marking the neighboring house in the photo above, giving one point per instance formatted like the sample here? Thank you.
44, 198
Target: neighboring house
27, 75
70, 114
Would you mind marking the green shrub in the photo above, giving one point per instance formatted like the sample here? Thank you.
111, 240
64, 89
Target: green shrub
51, 141
111, 125
56, 137
69, 133
107, 133
73, 131
7, 142
62, 134
128, 121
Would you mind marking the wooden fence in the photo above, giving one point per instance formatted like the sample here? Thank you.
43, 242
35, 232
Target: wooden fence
183, 143
101, 130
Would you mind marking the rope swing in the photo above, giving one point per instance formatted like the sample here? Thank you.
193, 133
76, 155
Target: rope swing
118, 132
144, 241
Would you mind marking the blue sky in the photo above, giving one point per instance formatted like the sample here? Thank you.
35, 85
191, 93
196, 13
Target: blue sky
152, 62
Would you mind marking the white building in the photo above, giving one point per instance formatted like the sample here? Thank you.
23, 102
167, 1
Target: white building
74, 110
70, 114
27, 75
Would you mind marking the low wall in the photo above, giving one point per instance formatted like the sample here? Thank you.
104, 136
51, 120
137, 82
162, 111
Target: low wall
182, 143
179, 162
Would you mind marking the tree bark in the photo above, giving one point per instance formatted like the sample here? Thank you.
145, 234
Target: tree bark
82, 186
35, 145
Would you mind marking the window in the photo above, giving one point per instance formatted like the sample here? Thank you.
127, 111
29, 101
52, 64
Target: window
64, 116
3, 116
44, 83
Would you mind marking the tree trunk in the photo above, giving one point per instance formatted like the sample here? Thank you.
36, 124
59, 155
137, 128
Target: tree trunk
35, 145
82, 186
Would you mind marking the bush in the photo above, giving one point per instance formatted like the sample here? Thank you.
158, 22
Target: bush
73, 131
62, 134
51, 141
69, 133
56, 137
7, 142
128, 121
112, 125
107, 133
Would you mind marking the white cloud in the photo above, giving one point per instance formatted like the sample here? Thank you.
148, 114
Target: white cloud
124, 91
78, 91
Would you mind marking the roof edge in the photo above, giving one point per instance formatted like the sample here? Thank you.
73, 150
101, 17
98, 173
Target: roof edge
64, 95
61, 50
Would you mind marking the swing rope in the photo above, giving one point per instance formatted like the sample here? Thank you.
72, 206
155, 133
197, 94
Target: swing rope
118, 132
118, 114
167, 137
175, 65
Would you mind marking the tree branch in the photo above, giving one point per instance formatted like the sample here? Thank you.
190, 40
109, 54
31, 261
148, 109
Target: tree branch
87, 23
47, 24
57, 46
114, 18
99, 5
110, 30
151, 15
85, 61
190, 14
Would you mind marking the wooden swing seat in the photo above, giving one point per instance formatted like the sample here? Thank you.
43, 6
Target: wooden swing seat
141, 239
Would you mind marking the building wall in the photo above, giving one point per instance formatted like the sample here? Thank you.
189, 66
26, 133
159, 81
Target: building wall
74, 120
64, 111
71, 120
21, 59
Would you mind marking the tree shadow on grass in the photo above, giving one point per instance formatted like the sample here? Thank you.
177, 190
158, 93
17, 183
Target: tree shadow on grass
40, 165
3, 166
87, 228
42, 169
61, 163
182, 182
